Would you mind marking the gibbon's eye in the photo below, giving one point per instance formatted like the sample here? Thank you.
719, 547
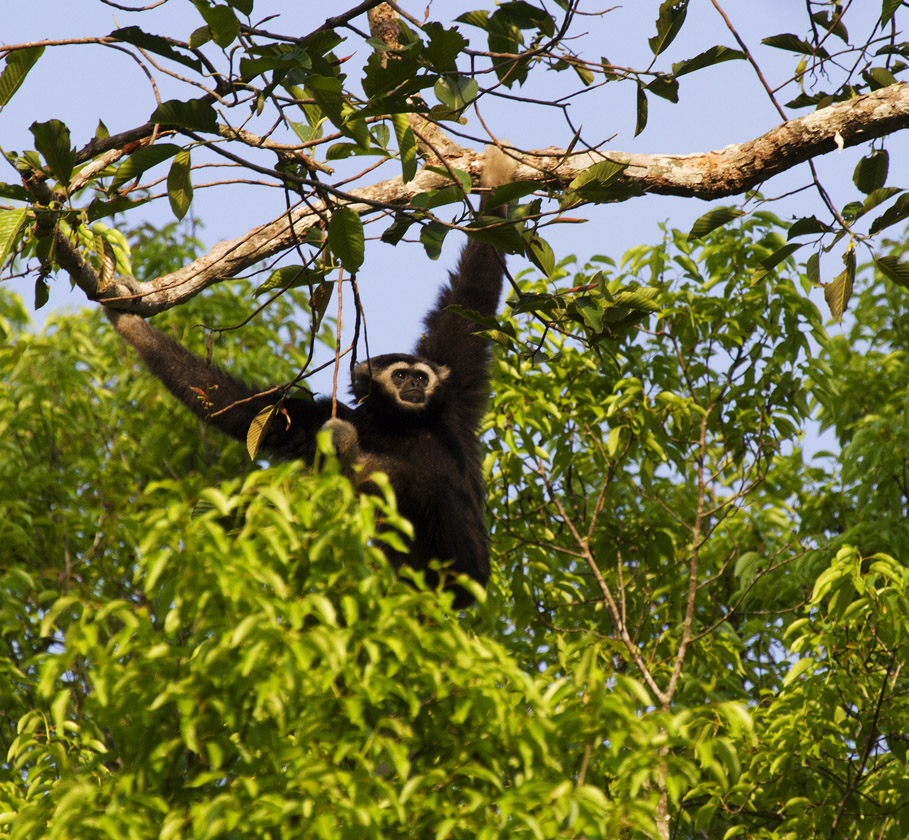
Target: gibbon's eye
399, 376
421, 377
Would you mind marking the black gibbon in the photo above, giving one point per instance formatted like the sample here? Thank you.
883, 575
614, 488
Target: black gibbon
416, 417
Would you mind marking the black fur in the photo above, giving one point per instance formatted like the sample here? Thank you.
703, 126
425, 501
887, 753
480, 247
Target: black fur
431, 456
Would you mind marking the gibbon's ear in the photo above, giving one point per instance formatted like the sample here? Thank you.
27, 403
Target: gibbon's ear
443, 372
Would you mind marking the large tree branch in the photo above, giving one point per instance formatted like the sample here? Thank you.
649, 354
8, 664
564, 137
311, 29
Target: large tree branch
729, 171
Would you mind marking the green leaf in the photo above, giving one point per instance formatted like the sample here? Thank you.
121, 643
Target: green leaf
407, 146
893, 269
798, 669
437, 198
142, 160
541, 255
199, 37
708, 58
245, 7
893, 214
666, 87
879, 77
258, 429
396, 231
807, 226
195, 115
792, 43
838, 291
432, 235
479, 18
769, 263
444, 47
604, 181
669, 22
179, 184
871, 171
641, 110
506, 193
156, 44
888, 10
345, 238
456, 92
712, 220
283, 58
52, 141
222, 22
42, 292
18, 63
11, 223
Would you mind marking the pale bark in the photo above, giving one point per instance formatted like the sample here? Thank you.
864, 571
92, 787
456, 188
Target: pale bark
708, 175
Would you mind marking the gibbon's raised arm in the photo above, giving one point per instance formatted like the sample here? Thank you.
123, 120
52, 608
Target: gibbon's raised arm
450, 339
213, 395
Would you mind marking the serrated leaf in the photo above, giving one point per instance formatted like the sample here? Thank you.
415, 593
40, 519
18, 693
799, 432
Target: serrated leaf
669, 21
11, 223
712, 220
871, 171
18, 63
345, 238
142, 160
195, 115
444, 47
179, 184
53, 142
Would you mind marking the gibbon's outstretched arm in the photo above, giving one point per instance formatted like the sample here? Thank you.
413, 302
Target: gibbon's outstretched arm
215, 396
476, 284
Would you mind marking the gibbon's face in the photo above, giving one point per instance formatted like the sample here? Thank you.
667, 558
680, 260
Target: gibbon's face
406, 381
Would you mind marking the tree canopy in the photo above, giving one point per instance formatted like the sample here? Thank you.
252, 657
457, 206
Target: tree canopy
697, 625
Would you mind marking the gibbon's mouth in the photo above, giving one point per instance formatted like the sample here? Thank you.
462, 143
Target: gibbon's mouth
412, 395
